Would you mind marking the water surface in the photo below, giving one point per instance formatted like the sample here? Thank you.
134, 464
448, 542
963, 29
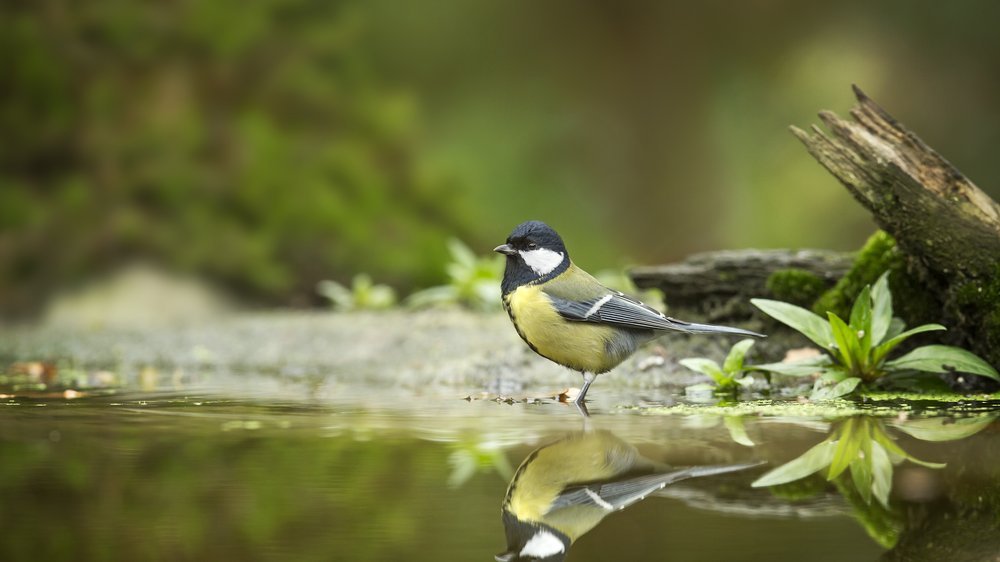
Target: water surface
363, 474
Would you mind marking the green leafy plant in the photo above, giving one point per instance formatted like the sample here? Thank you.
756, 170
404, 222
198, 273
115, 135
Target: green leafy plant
857, 350
472, 281
363, 294
727, 378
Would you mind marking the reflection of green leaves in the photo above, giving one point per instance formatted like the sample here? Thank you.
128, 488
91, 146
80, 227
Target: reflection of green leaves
737, 431
944, 429
468, 459
859, 445
846, 450
727, 377
810, 462
857, 349
883, 524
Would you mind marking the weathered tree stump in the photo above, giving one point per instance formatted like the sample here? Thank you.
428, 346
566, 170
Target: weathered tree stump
936, 214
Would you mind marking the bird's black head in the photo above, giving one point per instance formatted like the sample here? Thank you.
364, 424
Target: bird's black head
534, 253
532, 541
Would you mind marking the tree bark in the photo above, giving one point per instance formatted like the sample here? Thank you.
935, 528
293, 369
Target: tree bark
935, 213
717, 286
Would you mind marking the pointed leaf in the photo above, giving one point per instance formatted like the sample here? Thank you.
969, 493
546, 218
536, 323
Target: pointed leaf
881, 474
861, 468
842, 388
943, 359
461, 253
847, 341
944, 429
801, 368
798, 318
881, 309
895, 452
810, 462
861, 323
734, 361
705, 366
896, 327
737, 432
883, 350
928, 464
847, 449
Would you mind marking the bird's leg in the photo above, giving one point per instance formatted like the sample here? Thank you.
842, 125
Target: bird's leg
588, 379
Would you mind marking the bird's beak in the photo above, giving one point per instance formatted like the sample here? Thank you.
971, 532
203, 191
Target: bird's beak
505, 249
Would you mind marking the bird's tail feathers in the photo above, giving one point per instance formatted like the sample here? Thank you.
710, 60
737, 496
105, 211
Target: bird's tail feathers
693, 328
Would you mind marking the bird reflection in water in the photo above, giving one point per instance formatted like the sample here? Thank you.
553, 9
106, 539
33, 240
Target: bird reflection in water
564, 489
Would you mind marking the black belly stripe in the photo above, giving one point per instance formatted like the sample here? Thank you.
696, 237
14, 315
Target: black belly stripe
513, 320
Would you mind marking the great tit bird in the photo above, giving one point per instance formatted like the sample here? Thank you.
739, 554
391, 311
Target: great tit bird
564, 489
567, 316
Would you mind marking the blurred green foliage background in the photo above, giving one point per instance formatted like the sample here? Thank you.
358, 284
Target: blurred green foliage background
268, 145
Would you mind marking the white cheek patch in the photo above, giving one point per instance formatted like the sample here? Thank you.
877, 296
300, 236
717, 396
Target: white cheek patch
542, 261
542, 545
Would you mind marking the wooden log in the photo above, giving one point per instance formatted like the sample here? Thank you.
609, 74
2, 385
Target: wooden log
718, 285
936, 214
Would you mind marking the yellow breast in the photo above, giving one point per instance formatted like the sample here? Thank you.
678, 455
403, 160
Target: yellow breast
578, 345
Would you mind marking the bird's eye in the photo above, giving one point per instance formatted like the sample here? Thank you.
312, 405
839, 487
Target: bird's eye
532, 245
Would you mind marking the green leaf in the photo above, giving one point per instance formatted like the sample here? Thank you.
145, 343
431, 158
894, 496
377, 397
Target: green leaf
896, 327
847, 342
461, 253
810, 462
734, 361
705, 366
842, 388
943, 359
861, 468
945, 429
847, 449
798, 318
882, 350
861, 324
881, 467
881, 309
801, 368
737, 432
895, 452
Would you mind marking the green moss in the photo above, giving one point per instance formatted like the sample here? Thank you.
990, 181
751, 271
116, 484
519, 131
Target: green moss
912, 301
796, 286
875, 404
877, 255
977, 302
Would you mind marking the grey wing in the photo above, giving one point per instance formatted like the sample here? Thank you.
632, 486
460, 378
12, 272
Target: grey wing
612, 496
620, 310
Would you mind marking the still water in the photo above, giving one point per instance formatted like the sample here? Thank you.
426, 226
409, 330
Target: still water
358, 476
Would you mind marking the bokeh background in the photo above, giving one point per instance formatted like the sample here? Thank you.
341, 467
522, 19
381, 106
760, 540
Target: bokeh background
264, 146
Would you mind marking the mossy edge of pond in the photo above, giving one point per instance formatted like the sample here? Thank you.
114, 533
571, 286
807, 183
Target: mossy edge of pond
881, 404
